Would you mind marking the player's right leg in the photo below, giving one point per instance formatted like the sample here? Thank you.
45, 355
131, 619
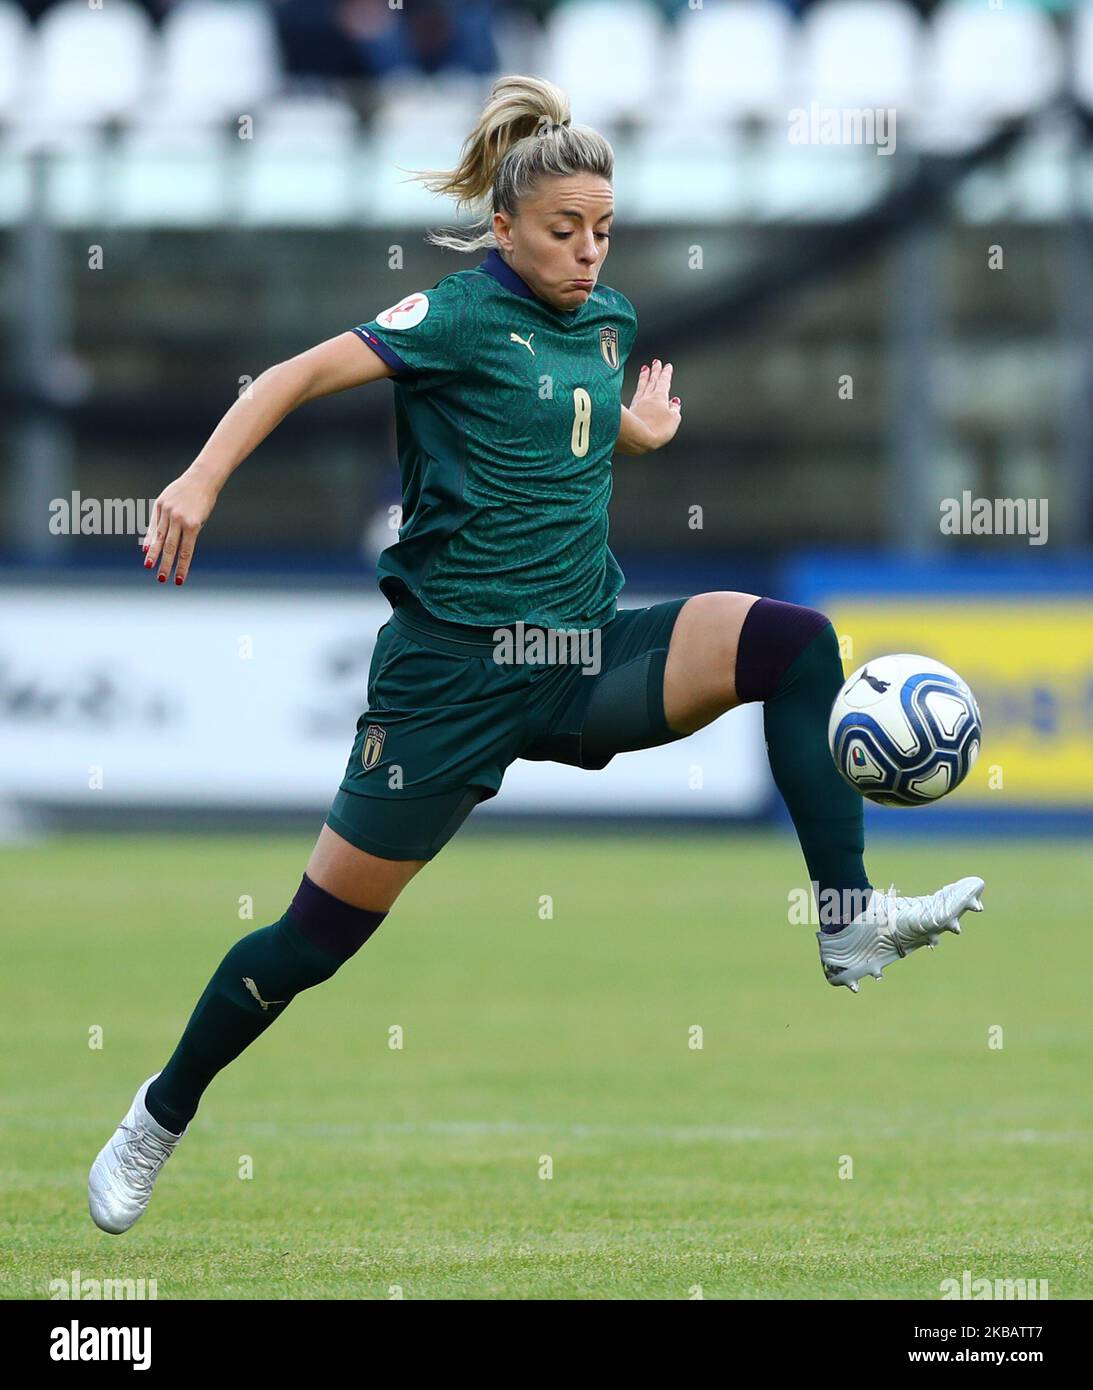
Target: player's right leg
343, 897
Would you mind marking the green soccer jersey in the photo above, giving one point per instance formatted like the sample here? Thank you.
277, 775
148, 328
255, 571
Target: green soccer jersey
507, 413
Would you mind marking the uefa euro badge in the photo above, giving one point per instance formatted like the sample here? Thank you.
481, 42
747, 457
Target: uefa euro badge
373, 746
609, 346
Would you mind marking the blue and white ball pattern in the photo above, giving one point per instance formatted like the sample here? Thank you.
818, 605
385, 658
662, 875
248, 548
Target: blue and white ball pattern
904, 730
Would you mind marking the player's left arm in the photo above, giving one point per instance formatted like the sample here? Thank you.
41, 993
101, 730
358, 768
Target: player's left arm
653, 415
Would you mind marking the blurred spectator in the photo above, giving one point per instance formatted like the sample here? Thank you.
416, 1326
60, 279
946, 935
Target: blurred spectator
367, 38
340, 38
314, 42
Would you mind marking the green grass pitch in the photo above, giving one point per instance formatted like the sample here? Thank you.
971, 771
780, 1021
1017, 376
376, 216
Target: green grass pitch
526, 1036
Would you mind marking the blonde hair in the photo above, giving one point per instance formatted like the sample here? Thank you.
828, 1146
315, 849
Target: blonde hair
523, 134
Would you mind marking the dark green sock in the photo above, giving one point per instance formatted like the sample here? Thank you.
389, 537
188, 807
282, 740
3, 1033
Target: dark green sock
252, 987
826, 813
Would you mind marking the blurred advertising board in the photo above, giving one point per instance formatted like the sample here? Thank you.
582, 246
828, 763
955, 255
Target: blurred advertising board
249, 699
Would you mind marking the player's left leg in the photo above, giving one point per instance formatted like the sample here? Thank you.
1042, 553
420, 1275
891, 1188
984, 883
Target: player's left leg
248, 992
449, 718
730, 648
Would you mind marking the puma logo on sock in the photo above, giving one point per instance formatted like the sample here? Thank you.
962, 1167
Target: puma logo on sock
253, 989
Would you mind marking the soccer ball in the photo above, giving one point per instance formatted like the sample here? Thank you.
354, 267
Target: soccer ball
904, 730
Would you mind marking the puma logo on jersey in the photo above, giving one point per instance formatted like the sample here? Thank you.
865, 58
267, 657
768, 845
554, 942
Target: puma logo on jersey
253, 989
515, 338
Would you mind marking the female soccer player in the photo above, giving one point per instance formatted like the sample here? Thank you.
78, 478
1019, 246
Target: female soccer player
507, 380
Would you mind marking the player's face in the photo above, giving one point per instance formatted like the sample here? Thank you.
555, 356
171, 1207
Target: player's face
558, 239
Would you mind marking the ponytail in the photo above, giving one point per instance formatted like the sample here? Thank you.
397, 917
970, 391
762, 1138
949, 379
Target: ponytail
523, 134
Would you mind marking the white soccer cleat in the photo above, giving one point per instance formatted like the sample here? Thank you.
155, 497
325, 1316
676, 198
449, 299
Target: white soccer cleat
119, 1186
892, 927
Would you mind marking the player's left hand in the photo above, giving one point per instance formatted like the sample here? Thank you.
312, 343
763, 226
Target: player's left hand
654, 405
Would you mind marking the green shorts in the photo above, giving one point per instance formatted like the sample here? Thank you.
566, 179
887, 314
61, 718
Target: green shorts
450, 707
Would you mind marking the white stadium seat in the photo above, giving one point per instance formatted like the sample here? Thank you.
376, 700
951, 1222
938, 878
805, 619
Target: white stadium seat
387, 193
171, 176
67, 188
299, 170
421, 124
986, 65
668, 174
800, 183
403, 104
607, 55
446, 106
732, 59
220, 59
307, 121
87, 65
861, 53
14, 47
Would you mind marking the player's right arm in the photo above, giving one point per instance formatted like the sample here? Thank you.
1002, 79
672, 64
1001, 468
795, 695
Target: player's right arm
184, 505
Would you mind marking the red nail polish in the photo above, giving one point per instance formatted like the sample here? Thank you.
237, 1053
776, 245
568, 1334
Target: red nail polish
148, 563
177, 580
162, 578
